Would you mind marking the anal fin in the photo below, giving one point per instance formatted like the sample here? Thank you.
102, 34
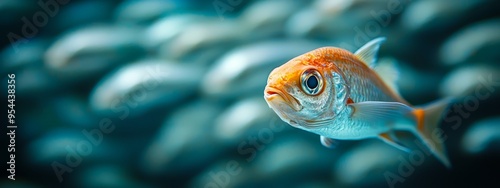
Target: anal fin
391, 140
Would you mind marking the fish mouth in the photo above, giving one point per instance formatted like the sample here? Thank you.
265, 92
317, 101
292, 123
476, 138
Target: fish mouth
273, 94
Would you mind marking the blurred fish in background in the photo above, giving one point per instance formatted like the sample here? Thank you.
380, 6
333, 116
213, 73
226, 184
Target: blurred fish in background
168, 93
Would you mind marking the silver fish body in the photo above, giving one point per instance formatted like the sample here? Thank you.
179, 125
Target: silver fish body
342, 95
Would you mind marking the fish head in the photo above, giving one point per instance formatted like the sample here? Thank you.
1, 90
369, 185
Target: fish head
301, 91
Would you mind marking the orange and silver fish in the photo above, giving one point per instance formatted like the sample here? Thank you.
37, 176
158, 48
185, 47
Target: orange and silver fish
341, 95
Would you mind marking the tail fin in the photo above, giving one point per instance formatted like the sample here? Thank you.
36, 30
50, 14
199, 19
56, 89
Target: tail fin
428, 119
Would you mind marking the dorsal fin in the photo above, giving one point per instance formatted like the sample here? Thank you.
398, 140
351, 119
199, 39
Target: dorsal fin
388, 72
368, 52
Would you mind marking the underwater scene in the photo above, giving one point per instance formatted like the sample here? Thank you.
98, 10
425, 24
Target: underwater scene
250, 93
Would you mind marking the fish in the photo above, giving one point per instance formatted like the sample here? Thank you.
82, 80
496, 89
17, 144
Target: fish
143, 85
474, 43
243, 70
350, 171
96, 53
482, 136
341, 95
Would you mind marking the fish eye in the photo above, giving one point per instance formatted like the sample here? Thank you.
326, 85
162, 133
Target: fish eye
311, 82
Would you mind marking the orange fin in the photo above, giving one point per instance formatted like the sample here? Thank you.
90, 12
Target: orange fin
390, 139
427, 124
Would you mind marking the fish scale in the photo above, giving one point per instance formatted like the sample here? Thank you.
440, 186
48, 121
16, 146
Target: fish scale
363, 85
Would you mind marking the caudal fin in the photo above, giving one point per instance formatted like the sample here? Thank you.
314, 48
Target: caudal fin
428, 120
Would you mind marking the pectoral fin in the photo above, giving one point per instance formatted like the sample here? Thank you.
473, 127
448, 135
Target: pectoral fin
328, 142
374, 111
390, 139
